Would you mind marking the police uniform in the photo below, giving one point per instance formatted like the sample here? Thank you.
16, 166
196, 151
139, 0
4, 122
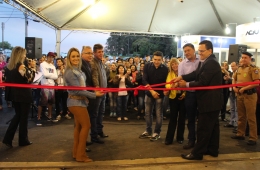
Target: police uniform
246, 102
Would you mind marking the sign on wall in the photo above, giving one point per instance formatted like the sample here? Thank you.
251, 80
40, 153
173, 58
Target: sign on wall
249, 34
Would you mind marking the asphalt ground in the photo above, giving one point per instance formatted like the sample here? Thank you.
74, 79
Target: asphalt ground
52, 146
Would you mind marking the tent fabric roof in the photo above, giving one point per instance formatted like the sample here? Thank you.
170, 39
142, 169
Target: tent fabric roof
197, 17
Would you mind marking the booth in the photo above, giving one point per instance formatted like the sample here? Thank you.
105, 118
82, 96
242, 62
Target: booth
220, 44
249, 35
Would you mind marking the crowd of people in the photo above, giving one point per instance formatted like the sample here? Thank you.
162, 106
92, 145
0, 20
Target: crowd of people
89, 68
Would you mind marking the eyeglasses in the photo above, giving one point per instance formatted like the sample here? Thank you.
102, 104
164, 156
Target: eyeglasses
201, 51
89, 53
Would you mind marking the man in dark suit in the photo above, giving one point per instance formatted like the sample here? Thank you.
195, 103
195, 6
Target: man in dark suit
210, 102
87, 57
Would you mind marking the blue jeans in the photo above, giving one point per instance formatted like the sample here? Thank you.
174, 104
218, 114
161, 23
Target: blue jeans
140, 104
191, 111
121, 105
149, 105
233, 109
112, 101
96, 116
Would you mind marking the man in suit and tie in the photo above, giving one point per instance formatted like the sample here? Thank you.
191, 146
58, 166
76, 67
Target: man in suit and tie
209, 102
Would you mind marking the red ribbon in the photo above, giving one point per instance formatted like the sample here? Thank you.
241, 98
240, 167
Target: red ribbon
105, 90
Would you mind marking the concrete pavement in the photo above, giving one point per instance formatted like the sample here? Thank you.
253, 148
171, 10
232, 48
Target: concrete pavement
52, 148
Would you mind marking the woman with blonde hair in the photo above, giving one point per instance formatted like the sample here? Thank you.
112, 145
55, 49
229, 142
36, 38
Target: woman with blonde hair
177, 107
18, 73
77, 103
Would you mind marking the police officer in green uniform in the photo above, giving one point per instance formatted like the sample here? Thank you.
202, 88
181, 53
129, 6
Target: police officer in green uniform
246, 98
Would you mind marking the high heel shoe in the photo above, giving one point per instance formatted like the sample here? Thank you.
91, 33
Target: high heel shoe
86, 160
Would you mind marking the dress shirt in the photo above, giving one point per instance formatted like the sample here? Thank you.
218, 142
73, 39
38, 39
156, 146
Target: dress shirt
186, 67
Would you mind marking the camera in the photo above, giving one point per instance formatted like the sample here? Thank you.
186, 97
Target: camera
181, 1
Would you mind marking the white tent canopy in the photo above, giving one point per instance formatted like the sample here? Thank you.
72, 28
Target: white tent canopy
197, 17
168, 17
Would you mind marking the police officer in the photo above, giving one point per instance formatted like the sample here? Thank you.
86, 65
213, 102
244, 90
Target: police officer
246, 98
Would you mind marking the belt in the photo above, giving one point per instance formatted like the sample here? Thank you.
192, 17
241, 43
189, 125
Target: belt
77, 97
249, 91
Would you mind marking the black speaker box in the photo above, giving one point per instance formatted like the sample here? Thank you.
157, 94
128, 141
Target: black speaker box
33, 47
235, 51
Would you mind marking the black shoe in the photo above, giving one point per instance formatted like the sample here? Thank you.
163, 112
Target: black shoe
9, 145
97, 141
190, 156
25, 144
251, 142
228, 125
180, 141
88, 150
211, 154
102, 135
238, 137
189, 145
88, 143
167, 142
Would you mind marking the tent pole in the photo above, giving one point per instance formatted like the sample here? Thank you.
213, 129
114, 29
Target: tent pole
217, 14
58, 41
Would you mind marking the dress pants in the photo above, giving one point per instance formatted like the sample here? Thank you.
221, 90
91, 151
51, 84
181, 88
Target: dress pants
191, 111
81, 130
207, 134
257, 113
177, 119
224, 107
20, 118
246, 107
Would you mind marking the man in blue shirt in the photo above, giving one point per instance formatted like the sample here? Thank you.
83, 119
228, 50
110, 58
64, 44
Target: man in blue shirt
189, 64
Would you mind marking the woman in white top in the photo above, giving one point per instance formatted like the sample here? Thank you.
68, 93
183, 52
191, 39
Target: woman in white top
122, 80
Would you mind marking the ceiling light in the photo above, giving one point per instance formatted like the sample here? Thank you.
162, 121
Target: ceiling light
97, 10
227, 30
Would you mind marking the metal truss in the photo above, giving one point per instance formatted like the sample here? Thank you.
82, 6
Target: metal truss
142, 34
23, 7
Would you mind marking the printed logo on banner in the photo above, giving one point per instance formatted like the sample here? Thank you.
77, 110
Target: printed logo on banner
252, 32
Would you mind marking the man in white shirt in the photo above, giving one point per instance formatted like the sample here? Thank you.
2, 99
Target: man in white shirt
47, 95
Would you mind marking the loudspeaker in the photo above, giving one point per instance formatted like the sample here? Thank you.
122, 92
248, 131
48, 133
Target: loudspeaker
33, 47
235, 51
